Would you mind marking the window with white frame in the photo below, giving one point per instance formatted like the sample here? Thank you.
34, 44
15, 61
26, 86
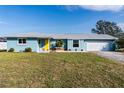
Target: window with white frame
75, 43
22, 41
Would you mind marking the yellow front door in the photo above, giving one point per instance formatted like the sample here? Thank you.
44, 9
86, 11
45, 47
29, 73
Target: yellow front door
47, 44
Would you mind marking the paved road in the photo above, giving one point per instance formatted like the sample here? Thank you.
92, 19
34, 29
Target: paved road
112, 55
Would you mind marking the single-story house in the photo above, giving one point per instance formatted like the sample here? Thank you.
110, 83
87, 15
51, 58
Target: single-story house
72, 42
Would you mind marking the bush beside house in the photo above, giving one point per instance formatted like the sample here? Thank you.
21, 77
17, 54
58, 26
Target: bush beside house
11, 50
28, 49
3, 50
120, 43
59, 45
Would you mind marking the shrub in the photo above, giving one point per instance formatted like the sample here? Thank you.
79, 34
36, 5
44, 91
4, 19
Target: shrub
28, 49
120, 43
59, 43
3, 50
11, 50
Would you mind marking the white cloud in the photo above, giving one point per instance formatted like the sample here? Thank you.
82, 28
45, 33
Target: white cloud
121, 25
114, 8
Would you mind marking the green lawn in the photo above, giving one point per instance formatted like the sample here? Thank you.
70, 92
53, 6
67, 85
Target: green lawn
59, 70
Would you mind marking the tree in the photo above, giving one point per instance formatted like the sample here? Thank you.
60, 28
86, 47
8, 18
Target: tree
110, 28
106, 27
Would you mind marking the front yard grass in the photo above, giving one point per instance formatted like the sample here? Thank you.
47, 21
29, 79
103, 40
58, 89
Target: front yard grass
59, 70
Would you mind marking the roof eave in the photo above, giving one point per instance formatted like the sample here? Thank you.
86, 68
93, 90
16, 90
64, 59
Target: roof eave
24, 37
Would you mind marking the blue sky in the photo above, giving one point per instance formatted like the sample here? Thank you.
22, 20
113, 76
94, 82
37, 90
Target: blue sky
56, 19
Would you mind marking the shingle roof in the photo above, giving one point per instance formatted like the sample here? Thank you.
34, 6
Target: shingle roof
82, 36
65, 36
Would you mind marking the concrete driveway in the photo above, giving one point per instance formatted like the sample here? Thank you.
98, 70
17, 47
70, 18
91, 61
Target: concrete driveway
116, 56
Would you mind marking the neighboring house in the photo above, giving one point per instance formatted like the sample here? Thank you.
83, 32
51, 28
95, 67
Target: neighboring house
72, 42
3, 44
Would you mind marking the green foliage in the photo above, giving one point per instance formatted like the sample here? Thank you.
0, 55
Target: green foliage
120, 43
3, 50
11, 50
107, 27
28, 49
59, 43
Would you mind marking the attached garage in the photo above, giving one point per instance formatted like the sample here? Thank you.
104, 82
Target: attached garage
88, 42
99, 46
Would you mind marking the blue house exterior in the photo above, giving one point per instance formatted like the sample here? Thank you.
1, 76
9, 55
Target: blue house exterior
72, 42
13, 43
80, 48
38, 43
86, 42
83, 44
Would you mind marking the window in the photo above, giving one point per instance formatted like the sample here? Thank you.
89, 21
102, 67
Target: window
75, 43
22, 41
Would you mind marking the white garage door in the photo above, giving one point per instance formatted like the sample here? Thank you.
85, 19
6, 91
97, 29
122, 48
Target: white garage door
98, 46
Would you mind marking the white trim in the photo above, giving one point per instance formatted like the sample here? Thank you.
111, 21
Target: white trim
22, 43
78, 43
98, 46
